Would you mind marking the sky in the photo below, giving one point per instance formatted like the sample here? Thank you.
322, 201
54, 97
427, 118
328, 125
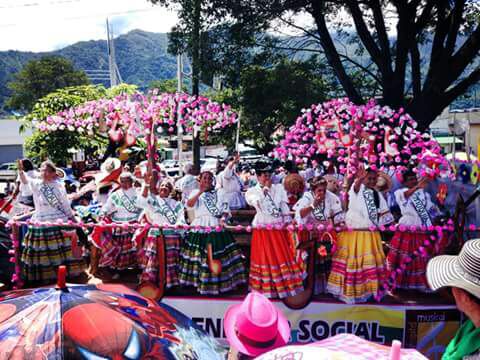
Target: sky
45, 25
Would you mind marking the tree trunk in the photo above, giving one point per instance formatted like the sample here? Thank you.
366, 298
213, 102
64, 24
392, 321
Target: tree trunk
196, 75
425, 109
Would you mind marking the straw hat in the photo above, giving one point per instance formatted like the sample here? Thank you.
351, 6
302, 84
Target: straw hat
384, 182
462, 271
256, 326
294, 183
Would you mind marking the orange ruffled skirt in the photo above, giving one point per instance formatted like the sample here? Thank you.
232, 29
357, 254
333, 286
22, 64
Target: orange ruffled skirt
273, 269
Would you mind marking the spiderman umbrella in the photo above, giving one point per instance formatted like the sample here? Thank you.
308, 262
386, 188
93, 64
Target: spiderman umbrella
96, 322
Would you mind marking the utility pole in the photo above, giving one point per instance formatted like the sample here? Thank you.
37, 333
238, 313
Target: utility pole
196, 28
179, 115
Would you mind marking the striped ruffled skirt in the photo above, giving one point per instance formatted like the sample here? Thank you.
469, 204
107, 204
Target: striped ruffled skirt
44, 249
274, 270
194, 269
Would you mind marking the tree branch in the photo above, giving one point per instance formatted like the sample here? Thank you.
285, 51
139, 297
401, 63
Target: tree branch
381, 31
464, 56
366, 36
343, 57
416, 70
308, 32
455, 22
425, 16
331, 53
462, 86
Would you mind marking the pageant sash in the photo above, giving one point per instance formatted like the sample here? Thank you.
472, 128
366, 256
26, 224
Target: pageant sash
421, 207
49, 194
127, 203
210, 200
162, 207
272, 209
372, 210
319, 212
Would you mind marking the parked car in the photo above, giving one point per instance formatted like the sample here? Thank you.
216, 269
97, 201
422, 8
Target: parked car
209, 164
8, 172
168, 164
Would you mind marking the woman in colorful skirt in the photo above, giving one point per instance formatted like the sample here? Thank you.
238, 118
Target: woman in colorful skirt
416, 206
320, 207
358, 265
161, 210
211, 261
122, 207
47, 247
273, 269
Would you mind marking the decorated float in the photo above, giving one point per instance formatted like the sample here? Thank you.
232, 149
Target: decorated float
337, 131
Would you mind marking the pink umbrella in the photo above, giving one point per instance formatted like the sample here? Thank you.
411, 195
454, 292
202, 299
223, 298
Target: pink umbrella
343, 346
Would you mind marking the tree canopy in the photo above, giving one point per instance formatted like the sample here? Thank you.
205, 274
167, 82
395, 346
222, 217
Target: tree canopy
39, 78
421, 54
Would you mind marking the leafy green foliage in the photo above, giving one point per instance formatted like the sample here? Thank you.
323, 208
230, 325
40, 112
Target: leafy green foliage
271, 99
40, 77
166, 86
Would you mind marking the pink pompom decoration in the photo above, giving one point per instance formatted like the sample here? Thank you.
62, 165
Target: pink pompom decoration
300, 227
321, 227
239, 227
12, 260
402, 228
248, 228
218, 228
14, 278
11, 252
472, 227
392, 228
309, 227
398, 271
291, 228
372, 228
329, 227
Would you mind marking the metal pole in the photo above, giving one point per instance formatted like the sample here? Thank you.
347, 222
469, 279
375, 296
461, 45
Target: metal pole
467, 135
237, 138
179, 115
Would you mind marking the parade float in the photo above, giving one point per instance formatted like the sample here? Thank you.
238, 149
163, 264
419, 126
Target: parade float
352, 136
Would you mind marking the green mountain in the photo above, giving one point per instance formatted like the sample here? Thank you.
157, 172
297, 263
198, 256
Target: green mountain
141, 57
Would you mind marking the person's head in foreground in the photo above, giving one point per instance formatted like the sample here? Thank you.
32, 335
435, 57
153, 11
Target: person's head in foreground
462, 275
255, 327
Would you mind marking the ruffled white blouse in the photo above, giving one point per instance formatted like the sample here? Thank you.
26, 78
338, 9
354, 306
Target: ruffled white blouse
231, 185
330, 210
272, 207
210, 207
410, 214
357, 215
123, 206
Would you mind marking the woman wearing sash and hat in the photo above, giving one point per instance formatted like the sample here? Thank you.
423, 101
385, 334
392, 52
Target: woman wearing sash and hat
320, 207
161, 210
47, 247
415, 205
122, 207
210, 260
273, 269
358, 265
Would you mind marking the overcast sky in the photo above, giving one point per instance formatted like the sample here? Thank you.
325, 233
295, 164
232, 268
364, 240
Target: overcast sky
44, 25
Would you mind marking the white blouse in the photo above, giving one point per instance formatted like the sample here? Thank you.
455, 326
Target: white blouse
25, 189
209, 208
123, 206
331, 210
410, 215
357, 215
50, 199
162, 211
231, 185
271, 208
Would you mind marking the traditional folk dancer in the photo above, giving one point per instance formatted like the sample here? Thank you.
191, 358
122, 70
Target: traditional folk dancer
122, 207
358, 265
273, 268
47, 247
230, 183
320, 207
415, 206
210, 261
161, 210
186, 185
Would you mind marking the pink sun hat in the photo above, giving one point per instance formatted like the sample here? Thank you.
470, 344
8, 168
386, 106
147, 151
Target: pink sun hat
256, 326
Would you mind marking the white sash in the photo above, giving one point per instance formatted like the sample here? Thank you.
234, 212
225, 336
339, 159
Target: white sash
370, 204
421, 208
210, 200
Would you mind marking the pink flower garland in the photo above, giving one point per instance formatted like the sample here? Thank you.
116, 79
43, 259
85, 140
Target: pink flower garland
383, 138
133, 112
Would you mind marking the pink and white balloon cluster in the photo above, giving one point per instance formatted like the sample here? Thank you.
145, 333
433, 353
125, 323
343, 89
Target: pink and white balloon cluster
132, 112
375, 135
